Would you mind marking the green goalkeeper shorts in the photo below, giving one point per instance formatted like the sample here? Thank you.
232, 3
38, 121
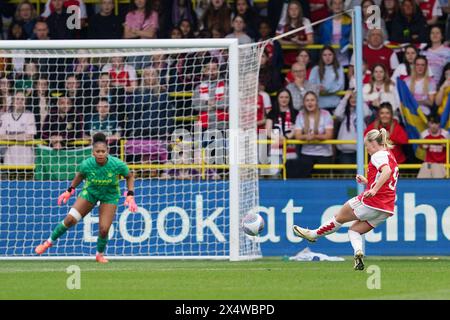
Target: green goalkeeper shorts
94, 197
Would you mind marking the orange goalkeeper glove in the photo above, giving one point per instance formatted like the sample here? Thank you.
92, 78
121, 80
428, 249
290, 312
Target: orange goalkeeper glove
66, 195
129, 201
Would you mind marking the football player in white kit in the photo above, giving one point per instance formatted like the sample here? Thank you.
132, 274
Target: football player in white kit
373, 206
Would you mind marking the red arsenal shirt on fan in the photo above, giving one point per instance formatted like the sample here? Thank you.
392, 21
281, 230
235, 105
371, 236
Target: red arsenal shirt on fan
436, 153
384, 199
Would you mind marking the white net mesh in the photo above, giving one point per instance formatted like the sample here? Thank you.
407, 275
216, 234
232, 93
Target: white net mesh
165, 113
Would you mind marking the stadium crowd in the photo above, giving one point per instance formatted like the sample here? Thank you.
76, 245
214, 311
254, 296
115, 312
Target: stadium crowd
303, 93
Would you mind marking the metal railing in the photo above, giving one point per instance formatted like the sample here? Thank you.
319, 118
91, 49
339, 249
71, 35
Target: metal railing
203, 166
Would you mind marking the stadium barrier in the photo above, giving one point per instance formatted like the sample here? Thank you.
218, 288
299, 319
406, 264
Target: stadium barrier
203, 166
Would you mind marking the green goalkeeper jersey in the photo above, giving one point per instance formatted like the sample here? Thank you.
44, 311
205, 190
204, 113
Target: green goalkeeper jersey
102, 182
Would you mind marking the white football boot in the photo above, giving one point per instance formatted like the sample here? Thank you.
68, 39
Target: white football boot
304, 233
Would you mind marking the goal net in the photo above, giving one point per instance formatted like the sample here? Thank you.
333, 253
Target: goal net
181, 114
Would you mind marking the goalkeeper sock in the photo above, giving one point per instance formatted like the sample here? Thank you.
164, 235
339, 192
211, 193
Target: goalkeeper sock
101, 244
327, 228
356, 240
58, 232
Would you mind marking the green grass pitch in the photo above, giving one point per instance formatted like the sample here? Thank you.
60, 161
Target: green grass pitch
268, 278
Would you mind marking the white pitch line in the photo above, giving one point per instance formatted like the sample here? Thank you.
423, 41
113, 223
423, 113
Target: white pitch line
15, 270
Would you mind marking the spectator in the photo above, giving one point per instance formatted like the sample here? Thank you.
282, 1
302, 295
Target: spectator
294, 20
176, 33
106, 122
269, 76
121, 75
431, 10
50, 8
24, 81
397, 134
264, 106
210, 98
367, 74
280, 127
161, 63
16, 32
319, 10
141, 21
329, 75
436, 52
251, 18
62, 126
367, 18
57, 22
444, 89
345, 113
300, 86
304, 58
187, 29
105, 24
338, 30
82, 102
18, 125
313, 123
152, 120
389, 10
422, 86
40, 103
381, 89
273, 47
5, 94
376, 52
200, 9
238, 31
85, 71
217, 32
26, 16
409, 26
405, 69
276, 11
435, 156
41, 31
217, 14
182, 10
8, 10
114, 95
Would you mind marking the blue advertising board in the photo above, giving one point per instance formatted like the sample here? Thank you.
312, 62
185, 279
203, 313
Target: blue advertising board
180, 218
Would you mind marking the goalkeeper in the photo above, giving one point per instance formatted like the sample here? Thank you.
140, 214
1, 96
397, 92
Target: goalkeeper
101, 173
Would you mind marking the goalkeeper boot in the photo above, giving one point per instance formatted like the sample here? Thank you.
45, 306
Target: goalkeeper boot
304, 233
100, 258
359, 262
40, 249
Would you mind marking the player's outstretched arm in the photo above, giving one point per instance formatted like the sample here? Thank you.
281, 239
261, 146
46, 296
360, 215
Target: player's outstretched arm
71, 190
129, 201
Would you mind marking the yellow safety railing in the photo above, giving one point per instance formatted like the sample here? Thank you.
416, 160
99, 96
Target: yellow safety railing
203, 166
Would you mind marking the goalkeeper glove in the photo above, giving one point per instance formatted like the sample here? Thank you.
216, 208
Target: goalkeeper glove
129, 201
66, 195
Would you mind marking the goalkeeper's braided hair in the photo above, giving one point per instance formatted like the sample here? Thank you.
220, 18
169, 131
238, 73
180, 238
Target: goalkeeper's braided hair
99, 138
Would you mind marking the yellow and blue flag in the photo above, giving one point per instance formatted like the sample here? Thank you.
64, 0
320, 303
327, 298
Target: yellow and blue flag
445, 116
414, 118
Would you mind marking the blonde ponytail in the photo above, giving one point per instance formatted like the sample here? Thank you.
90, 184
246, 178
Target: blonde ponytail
380, 136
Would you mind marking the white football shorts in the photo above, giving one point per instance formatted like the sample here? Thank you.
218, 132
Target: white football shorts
372, 216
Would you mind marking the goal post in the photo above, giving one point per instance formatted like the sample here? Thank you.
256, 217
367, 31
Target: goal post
196, 160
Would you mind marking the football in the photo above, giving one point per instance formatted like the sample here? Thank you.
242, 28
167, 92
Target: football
252, 224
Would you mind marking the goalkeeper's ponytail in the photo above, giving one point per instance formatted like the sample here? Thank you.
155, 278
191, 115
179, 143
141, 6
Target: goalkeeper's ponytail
98, 138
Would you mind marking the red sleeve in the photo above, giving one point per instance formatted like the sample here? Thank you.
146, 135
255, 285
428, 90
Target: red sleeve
399, 136
369, 127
